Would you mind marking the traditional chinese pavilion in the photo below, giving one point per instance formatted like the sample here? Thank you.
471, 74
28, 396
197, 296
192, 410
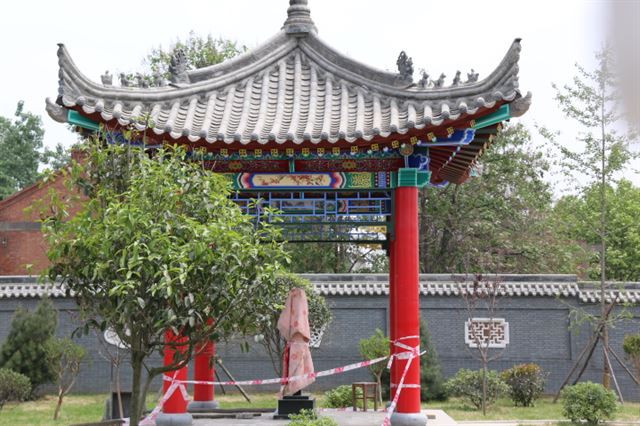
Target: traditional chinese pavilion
339, 147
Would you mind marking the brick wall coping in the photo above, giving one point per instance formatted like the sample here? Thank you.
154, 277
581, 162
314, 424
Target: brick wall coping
565, 286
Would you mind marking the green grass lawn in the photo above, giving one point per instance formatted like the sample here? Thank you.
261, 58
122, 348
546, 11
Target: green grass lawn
75, 409
544, 409
89, 408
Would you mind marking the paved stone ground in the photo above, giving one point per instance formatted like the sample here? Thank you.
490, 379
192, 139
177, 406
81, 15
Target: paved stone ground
344, 418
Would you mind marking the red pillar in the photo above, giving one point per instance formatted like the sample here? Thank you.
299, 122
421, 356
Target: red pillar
406, 300
392, 306
204, 370
174, 409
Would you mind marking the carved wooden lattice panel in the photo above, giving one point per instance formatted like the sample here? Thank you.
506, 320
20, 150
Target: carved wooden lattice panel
486, 332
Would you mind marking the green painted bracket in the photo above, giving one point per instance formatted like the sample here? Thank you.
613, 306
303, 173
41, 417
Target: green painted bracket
75, 118
410, 177
503, 113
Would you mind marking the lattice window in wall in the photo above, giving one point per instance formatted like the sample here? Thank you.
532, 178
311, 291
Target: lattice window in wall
487, 332
316, 336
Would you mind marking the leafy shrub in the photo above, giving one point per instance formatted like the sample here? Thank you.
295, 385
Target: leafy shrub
340, 397
467, 384
310, 418
526, 383
631, 346
13, 386
590, 402
23, 351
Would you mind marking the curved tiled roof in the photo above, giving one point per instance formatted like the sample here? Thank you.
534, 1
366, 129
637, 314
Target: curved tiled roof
294, 88
378, 285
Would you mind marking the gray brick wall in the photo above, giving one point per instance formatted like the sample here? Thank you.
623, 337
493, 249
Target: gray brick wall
539, 333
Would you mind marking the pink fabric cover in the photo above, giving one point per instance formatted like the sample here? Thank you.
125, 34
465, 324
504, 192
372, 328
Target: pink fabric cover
293, 325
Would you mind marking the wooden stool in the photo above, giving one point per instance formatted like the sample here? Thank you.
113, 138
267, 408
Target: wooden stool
365, 395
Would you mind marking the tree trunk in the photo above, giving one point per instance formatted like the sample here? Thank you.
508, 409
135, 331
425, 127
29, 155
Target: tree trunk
137, 401
119, 391
484, 388
606, 374
379, 395
59, 404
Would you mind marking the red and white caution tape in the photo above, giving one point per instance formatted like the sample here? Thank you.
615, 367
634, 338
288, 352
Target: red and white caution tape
409, 354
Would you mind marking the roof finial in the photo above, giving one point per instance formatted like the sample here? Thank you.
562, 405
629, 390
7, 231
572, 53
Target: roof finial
299, 18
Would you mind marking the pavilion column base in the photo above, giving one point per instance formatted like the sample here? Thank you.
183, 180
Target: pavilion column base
408, 419
202, 406
174, 419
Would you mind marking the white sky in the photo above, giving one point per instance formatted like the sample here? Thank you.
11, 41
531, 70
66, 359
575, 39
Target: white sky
441, 36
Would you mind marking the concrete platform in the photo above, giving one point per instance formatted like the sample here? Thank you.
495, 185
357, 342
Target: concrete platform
344, 418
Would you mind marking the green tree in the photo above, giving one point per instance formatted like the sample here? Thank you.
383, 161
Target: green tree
64, 358
580, 212
20, 150
200, 52
376, 346
337, 258
24, 349
160, 246
56, 158
430, 371
592, 101
499, 221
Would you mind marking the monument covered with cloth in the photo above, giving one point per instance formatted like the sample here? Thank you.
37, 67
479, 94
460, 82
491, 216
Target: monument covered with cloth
339, 148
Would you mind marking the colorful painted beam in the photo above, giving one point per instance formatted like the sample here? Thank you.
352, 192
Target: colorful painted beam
309, 181
273, 182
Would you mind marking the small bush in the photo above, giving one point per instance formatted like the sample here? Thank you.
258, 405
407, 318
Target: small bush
590, 402
23, 350
310, 418
467, 384
13, 386
631, 346
340, 397
526, 383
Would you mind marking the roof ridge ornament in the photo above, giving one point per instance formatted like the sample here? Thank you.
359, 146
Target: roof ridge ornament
299, 20
178, 67
405, 67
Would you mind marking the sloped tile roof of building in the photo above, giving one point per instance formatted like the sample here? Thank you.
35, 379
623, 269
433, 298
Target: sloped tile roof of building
377, 285
293, 88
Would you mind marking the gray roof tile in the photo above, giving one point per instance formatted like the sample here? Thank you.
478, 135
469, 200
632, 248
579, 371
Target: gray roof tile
292, 88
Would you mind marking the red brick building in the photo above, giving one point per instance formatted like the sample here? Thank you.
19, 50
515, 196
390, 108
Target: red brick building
21, 241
